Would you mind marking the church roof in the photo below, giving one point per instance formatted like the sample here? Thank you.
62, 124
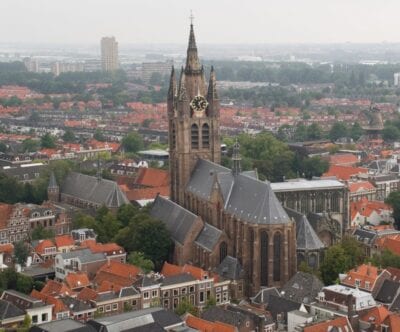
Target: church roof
52, 181
306, 237
244, 196
91, 189
208, 237
230, 268
177, 219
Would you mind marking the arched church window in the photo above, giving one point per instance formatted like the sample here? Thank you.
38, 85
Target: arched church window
173, 136
251, 251
312, 261
195, 136
205, 135
223, 251
319, 203
277, 257
335, 205
264, 258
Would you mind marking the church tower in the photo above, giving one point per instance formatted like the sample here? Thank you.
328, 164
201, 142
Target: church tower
193, 115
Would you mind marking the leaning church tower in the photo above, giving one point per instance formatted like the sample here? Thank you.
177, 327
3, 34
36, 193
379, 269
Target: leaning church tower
193, 116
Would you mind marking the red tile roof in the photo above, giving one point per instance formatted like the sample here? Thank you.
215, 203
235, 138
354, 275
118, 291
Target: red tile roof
340, 322
55, 288
77, 280
344, 172
361, 186
203, 325
87, 294
146, 193
153, 177
365, 207
43, 244
365, 273
64, 241
108, 248
7, 248
106, 286
58, 305
120, 273
171, 270
344, 159
378, 315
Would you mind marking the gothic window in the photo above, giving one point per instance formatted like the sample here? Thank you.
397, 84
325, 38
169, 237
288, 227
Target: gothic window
304, 203
173, 136
251, 248
277, 257
223, 251
312, 261
264, 258
195, 136
205, 136
335, 206
300, 258
320, 202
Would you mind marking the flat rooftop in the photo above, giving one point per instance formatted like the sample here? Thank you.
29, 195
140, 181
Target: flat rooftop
302, 184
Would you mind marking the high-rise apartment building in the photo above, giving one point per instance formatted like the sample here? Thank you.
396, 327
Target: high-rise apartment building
109, 54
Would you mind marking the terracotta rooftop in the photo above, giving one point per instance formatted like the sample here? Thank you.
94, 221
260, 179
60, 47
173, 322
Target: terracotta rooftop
361, 186
378, 315
64, 241
365, 275
7, 248
169, 270
43, 244
55, 288
87, 294
120, 273
203, 325
77, 280
5, 212
153, 177
344, 159
342, 323
344, 172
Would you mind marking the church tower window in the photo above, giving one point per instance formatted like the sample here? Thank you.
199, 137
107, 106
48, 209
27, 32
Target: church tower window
277, 257
195, 136
264, 258
205, 136
173, 136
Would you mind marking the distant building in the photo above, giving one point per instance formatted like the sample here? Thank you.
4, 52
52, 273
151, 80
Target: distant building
151, 68
63, 67
396, 79
109, 54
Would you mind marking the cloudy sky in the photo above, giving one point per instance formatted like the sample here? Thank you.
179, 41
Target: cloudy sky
216, 21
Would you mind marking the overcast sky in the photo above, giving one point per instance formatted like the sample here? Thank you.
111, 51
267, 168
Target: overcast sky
216, 21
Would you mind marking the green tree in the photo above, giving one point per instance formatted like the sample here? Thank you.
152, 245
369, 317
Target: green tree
29, 145
3, 147
354, 250
300, 134
126, 212
24, 284
27, 321
21, 252
138, 259
338, 130
69, 136
314, 132
386, 259
107, 227
40, 233
81, 220
314, 166
336, 261
390, 133
48, 141
211, 302
98, 135
356, 131
184, 307
394, 201
133, 142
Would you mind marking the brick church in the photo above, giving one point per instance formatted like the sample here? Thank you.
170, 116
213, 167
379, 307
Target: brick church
216, 212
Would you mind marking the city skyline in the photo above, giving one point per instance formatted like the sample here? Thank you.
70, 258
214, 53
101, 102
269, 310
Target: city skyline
288, 21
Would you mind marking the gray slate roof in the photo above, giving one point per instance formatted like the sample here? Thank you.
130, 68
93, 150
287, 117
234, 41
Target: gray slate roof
177, 219
91, 189
245, 197
263, 296
306, 237
219, 314
280, 305
208, 237
388, 291
76, 305
65, 325
230, 268
84, 255
302, 288
9, 310
177, 279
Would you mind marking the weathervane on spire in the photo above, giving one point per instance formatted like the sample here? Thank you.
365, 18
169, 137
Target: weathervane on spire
191, 17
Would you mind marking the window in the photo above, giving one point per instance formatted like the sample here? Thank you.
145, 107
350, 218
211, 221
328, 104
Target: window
205, 136
218, 298
183, 291
34, 319
367, 284
44, 317
195, 136
134, 302
146, 295
80, 316
218, 289
154, 293
176, 302
166, 303
201, 297
166, 293
357, 282
277, 257
108, 307
115, 306
176, 293
225, 297
264, 258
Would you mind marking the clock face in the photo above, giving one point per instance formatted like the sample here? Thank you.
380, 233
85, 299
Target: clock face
199, 103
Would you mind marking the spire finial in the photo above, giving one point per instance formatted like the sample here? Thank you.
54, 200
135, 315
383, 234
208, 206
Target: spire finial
236, 169
191, 17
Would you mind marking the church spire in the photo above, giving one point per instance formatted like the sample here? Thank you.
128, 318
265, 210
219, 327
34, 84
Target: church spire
236, 168
172, 85
182, 87
192, 58
212, 86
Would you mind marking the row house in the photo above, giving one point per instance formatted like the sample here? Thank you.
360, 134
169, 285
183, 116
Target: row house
361, 189
365, 212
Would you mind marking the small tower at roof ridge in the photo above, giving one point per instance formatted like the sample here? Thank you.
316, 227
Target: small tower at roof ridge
236, 158
53, 190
